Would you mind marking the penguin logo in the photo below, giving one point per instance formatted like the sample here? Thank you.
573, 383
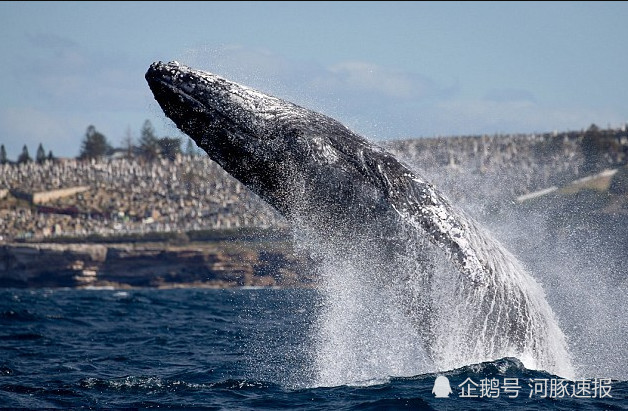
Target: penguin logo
441, 387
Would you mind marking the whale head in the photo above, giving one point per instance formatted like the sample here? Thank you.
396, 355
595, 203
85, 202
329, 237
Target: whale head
269, 144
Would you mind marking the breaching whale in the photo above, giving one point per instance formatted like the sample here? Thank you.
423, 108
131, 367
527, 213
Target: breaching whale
370, 207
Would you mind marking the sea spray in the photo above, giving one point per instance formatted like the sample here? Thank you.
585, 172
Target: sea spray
414, 314
362, 336
411, 303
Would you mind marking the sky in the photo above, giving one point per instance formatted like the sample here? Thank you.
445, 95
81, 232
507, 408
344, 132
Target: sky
387, 70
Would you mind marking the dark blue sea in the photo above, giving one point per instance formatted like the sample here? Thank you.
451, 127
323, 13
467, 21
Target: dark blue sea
227, 349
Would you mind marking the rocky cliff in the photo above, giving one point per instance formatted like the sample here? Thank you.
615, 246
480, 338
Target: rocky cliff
152, 265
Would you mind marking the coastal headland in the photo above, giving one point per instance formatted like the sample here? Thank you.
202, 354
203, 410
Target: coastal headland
126, 222
211, 264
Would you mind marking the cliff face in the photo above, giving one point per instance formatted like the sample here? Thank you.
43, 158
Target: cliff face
151, 265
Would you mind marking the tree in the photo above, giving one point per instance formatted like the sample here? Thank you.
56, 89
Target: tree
170, 147
590, 149
127, 142
41, 154
596, 145
3, 155
190, 148
24, 157
94, 144
51, 157
149, 145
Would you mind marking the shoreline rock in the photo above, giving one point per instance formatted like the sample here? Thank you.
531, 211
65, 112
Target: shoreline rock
155, 265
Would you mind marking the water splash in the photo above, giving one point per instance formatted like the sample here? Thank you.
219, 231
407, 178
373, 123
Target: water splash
361, 334
415, 312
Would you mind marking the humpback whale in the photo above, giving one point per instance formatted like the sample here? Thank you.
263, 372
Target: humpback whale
374, 210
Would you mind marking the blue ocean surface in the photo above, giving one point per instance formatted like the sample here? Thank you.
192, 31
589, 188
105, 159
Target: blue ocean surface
228, 349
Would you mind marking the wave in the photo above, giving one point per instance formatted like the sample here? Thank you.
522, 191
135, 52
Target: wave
504, 367
192, 390
152, 383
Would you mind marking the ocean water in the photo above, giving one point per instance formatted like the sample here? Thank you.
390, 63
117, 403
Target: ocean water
230, 349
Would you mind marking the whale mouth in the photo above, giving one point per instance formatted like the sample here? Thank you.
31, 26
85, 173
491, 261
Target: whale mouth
158, 73
173, 97
160, 81
178, 93
201, 103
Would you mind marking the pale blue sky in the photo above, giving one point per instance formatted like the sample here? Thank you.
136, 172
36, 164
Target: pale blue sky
387, 70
